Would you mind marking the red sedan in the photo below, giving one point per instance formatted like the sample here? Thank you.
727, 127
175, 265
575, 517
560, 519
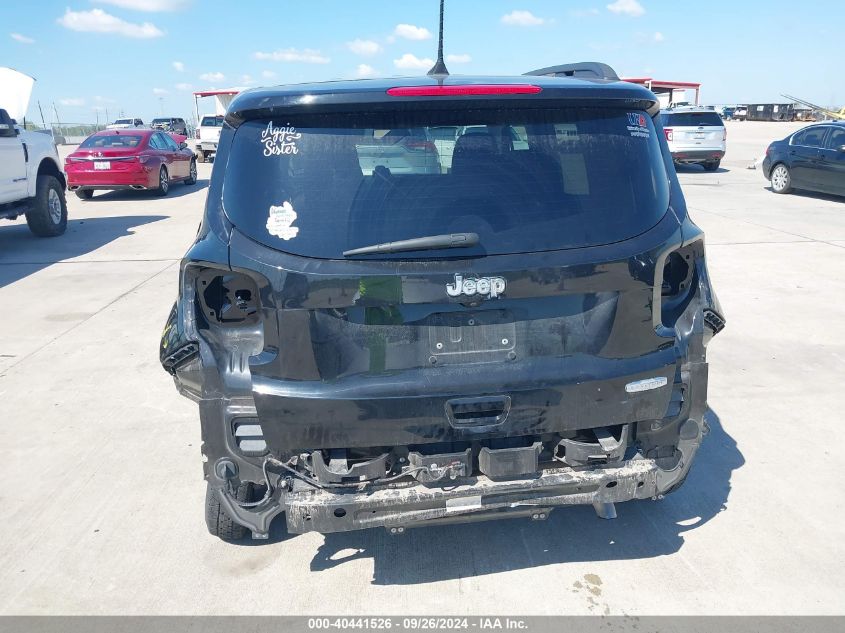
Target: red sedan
130, 159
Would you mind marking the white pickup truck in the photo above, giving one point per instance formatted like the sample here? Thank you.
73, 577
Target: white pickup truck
32, 182
208, 134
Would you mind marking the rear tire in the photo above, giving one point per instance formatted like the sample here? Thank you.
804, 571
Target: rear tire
163, 182
192, 174
48, 215
84, 194
712, 165
218, 522
781, 179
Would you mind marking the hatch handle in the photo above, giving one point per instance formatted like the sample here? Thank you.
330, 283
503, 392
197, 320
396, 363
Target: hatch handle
479, 411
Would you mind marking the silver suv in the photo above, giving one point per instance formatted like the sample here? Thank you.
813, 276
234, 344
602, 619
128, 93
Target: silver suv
695, 135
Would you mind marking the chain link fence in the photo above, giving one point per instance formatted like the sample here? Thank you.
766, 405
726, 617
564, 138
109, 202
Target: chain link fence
67, 133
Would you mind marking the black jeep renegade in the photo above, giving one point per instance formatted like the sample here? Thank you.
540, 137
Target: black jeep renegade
442, 299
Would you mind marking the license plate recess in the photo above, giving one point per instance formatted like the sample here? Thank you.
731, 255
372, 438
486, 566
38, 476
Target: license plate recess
472, 337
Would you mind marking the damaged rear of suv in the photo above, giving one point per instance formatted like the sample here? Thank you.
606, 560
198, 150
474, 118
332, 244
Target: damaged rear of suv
384, 332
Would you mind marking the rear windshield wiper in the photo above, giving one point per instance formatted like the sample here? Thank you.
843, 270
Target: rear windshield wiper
430, 242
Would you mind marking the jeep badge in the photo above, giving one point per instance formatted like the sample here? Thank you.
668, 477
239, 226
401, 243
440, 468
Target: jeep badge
490, 287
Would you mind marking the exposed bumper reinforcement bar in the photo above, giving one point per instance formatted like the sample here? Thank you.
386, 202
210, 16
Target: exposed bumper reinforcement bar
474, 499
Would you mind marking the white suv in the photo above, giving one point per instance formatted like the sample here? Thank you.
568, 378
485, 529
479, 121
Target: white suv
123, 124
695, 135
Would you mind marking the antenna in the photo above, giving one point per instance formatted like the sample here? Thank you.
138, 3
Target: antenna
439, 67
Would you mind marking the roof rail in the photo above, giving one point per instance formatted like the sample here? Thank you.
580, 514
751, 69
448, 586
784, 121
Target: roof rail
595, 70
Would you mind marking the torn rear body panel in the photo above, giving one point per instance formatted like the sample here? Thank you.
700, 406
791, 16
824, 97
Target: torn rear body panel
556, 358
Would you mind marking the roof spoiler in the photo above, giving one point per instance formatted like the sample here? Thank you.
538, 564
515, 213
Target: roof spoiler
590, 70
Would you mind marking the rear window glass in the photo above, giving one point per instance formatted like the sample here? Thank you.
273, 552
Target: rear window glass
682, 119
811, 137
113, 140
212, 121
524, 180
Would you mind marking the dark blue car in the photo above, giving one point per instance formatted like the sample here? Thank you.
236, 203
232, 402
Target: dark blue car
812, 158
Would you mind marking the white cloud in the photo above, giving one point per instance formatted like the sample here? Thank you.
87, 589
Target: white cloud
306, 56
458, 59
100, 99
522, 18
23, 39
148, 5
649, 38
184, 87
179, 67
98, 21
73, 102
411, 32
268, 74
159, 92
246, 80
630, 8
212, 77
412, 62
365, 48
365, 70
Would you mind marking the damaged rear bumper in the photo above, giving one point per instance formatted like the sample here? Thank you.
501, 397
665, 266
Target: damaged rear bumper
401, 506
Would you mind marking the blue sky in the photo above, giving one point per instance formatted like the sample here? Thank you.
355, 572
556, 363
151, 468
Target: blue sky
145, 56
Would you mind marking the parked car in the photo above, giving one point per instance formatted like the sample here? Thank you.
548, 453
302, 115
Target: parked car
208, 133
812, 159
695, 136
380, 349
122, 124
741, 113
32, 182
399, 150
727, 113
129, 159
175, 125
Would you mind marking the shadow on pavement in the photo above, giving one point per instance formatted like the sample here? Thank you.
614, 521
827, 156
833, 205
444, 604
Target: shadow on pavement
177, 190
22, 254
644, 529
813, 195
698, 169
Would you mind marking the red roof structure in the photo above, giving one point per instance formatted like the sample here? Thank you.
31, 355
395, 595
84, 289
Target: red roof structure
658, 86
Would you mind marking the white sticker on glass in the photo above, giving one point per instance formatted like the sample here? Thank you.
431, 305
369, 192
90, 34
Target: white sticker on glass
637, 125
280, 220
280, 141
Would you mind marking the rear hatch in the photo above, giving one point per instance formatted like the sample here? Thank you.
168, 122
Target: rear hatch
694, 130
535, 329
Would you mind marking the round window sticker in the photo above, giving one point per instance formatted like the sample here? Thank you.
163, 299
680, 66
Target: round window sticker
280, 220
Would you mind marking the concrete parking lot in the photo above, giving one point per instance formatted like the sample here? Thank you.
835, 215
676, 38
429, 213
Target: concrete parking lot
103, 494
